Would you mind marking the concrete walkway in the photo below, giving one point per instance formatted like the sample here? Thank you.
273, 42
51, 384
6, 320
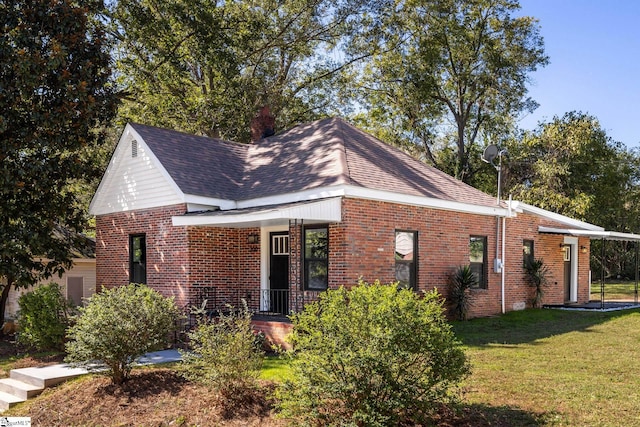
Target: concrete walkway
25, 383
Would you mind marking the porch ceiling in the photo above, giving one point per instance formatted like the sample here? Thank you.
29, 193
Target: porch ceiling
593, 234
316, 211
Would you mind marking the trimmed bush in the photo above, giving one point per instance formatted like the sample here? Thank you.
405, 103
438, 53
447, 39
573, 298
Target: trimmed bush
119, 325
374, 355
43, 318
224, 353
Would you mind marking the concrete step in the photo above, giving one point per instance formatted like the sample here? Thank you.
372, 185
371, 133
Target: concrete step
8, 400
46, 376
19, 388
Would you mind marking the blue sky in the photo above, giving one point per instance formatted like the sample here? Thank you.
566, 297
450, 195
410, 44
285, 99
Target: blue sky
594, 52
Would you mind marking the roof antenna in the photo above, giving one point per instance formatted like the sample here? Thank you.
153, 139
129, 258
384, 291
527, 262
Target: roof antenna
489, 155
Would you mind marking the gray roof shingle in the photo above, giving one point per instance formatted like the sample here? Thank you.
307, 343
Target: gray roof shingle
317, 154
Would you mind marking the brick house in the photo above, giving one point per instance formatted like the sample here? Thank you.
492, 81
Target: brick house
315, 207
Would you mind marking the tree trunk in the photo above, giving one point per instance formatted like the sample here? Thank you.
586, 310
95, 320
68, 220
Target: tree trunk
4, 296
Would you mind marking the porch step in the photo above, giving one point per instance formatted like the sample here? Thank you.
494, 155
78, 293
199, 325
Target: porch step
8, 400
19, 388
47, 376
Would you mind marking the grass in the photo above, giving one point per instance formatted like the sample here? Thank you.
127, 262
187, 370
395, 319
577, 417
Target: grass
614, 291
548, 367
275, 368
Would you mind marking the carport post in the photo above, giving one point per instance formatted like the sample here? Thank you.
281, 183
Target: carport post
635, 298
602, 275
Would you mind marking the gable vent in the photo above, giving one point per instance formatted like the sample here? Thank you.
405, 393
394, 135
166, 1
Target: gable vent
134, 148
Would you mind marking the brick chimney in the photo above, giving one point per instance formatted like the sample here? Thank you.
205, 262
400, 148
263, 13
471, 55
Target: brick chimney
262, 125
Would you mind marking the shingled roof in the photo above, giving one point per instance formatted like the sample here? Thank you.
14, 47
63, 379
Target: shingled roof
323, 153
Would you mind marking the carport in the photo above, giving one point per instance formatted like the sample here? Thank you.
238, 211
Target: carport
606, 237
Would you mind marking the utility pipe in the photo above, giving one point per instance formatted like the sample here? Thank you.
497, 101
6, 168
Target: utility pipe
504, 252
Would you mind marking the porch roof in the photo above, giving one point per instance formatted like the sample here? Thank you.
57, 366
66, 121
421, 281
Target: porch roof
316, 211
593, 234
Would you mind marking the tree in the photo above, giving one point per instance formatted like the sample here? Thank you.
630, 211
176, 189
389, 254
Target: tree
207, 68
449, 73
54, 92
570, 166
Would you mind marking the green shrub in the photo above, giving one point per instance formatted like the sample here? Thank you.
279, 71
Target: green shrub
374, 355
224, 353
119, 325
538, 277
43, 318
460, 298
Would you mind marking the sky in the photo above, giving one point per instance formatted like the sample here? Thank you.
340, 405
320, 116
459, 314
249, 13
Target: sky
594, 63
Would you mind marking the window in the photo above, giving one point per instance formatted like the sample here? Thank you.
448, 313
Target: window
75, 290
137, 258
478, 259
406, 254
527, 253
316, 258
280, 244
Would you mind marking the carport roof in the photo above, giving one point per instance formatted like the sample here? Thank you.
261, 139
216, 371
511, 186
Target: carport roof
593, 234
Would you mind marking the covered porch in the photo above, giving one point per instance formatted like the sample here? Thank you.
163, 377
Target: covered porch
611, 287
274, 238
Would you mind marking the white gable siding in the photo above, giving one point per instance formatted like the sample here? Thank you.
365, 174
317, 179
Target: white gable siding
132, 183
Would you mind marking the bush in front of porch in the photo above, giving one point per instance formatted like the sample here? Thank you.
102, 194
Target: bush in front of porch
373, 355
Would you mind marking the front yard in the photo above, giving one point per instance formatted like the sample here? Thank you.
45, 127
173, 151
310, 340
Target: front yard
537, 367
553, 367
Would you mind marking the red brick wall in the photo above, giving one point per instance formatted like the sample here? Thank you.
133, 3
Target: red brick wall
179, 257
362, 245
275, 332
167, 249
222, 257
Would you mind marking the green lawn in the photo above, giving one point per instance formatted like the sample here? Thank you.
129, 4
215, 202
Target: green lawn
275, 368
546, 368
552, 367
614, 291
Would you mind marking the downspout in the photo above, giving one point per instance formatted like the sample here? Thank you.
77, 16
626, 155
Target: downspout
504, 263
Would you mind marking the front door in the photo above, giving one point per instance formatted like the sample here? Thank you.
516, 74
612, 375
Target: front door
279, 272
567, 273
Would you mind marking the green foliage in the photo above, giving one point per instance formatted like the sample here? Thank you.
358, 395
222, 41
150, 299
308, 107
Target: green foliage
375, 355
54, 80
43, 318
224, 352
449, 76
207, 67
570, 166
118, 325
538, 277
459, 298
